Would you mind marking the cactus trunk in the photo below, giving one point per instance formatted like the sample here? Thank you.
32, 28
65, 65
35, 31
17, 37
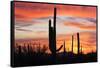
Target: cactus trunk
52, 36
64, 49
78, 44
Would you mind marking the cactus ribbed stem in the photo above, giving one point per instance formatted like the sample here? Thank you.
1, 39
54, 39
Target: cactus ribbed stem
78, 44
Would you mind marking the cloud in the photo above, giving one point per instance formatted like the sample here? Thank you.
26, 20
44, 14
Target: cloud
91, 19
33, 6
83, 23
24, 30
65, 25
81, 26
62, 19
20, 16
41, 24
23, 24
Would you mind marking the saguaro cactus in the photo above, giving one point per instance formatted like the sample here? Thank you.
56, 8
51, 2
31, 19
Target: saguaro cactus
52, 36
78, 44
64, 49
72, 43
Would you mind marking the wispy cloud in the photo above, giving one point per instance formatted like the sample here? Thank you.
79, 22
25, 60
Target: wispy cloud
65, 22
24, 30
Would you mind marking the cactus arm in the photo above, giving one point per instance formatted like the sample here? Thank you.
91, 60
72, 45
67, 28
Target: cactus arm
59, 48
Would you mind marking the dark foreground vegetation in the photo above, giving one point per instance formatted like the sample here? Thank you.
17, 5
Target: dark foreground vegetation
26, 56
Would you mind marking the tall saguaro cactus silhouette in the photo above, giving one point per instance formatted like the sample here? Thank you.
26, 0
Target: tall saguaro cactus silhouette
52, 36
78, 43
64, 48
72, 42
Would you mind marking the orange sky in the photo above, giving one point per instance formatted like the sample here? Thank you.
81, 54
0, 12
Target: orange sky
31, 22
33, 10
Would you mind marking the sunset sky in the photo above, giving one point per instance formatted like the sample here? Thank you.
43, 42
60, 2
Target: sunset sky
32, 19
